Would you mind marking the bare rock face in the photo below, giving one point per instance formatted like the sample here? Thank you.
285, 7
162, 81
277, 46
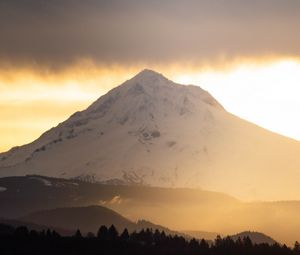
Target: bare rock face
152, 131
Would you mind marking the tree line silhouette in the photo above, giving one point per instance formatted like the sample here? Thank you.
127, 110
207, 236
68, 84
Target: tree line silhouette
109, 241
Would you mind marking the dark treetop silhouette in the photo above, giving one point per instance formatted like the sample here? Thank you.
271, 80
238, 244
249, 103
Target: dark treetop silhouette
109, 241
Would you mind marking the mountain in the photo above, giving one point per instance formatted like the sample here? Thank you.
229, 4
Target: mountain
11, 225
24, 195
152, 131
89, 219
256, 237
66, 221
174, 208
202, 234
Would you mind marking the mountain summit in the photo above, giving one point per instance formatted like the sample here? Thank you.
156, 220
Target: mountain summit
152, 131
148, 94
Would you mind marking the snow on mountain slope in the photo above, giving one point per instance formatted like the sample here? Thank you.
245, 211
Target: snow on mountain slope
152, 131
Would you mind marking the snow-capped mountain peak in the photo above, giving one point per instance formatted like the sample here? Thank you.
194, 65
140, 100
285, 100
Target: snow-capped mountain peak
152, 131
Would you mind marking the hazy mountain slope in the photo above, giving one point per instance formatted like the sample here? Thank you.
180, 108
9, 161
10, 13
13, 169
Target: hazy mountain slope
202, 234
32, 226
87, 219
24, 195
66, 221
152, 131
174, 208
256, 237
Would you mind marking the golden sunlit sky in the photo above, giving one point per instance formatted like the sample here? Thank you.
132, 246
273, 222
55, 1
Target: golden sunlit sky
57, 57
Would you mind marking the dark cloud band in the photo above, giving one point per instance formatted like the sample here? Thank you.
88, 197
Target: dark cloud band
58, 32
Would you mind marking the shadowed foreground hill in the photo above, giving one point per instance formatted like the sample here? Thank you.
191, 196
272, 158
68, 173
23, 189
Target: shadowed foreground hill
24, 195
88, 219
255, 237
177, 209
32, 226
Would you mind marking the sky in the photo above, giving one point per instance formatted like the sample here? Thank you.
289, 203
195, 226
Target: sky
58, 56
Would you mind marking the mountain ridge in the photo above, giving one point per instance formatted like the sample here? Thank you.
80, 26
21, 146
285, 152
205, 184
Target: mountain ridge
174, 208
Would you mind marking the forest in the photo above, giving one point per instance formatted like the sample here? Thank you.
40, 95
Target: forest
21, 240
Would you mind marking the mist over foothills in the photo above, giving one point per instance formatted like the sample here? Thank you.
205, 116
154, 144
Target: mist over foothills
160, 126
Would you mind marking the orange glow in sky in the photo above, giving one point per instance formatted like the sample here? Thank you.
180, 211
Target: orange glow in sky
267, 95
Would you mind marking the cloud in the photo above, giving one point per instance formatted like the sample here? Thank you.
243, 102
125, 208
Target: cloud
116, 200
59, 32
